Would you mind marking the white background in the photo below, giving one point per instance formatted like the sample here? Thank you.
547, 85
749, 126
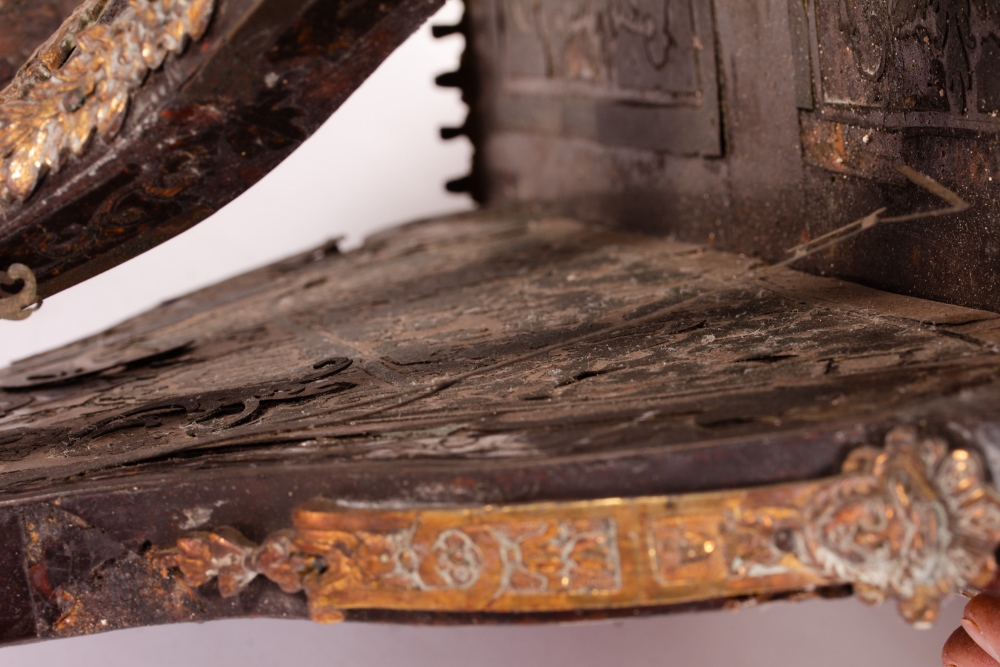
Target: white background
377, 162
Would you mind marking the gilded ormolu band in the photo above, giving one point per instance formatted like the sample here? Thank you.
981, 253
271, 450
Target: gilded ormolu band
912, 522
48, 114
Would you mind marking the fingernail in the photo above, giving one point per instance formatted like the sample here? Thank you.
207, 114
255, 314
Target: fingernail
977, 636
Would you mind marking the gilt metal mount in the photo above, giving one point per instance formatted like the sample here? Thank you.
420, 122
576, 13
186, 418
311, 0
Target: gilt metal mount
43, 123
911, 522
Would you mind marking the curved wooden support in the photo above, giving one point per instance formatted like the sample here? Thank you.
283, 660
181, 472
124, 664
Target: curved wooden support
139, 118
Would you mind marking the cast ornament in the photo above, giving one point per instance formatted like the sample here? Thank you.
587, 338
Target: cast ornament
913, 522
82, 84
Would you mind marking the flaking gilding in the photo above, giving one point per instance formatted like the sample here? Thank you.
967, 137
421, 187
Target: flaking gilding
43, 123
911, 521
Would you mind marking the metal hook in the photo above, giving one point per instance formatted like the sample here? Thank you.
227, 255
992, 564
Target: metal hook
19, 306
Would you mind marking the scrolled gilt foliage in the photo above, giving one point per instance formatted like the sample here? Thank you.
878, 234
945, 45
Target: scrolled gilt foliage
57, 116
913, 522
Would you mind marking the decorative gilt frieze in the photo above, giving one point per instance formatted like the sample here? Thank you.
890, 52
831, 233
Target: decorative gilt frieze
911, 522
53, 113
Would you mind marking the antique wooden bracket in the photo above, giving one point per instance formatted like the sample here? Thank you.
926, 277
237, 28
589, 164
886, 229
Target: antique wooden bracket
911, 521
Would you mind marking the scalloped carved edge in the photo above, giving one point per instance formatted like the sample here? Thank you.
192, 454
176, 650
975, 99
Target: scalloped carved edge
48, 114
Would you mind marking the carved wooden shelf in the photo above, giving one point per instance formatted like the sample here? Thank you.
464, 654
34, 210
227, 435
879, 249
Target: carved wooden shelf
498, 362
508, 415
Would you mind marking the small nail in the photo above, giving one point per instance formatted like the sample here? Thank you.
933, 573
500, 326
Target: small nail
977, 636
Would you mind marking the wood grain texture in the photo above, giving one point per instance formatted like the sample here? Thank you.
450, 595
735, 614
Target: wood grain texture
442, 298
235, 404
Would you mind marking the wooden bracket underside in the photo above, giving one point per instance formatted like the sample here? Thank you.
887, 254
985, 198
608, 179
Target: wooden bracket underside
512, 418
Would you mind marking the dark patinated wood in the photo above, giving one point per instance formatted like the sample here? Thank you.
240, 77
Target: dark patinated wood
494, 358
751, 126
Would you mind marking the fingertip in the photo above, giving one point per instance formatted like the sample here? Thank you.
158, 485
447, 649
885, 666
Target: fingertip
985, 606
982, 622
961, 651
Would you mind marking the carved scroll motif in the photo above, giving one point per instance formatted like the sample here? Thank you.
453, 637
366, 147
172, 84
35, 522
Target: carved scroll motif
48, 114
916, 56
911, 522
610, 45
874, 28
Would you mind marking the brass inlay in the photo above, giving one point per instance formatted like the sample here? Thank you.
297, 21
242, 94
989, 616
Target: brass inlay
912, 522
83, 83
